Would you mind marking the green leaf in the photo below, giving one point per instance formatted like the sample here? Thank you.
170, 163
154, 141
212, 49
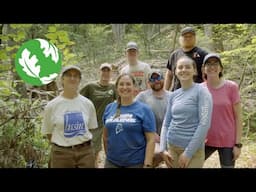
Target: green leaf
3, 55
21, 35
62, 46
4, 37
254, 40
4, 91
63, 39
52, 29
51, 36
70, 43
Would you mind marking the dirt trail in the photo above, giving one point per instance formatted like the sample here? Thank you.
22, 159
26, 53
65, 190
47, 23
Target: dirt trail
247, 159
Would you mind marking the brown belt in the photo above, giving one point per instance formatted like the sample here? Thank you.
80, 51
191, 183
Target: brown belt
86, 143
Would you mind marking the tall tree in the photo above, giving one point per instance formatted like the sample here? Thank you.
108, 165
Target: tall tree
119, 32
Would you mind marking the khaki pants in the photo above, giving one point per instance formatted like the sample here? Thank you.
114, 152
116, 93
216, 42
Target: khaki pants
97, 139
197, 160
77, 157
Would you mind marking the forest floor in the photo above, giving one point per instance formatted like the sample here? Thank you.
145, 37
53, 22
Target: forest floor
247, 158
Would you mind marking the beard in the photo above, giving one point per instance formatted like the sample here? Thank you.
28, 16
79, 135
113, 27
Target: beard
157, 87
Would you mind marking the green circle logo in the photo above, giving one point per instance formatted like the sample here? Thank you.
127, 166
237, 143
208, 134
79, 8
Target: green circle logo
38, 62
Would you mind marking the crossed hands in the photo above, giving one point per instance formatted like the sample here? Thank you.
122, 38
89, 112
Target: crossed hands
183, 160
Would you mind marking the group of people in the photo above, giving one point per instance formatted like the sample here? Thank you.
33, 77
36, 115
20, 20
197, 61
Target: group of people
146, 117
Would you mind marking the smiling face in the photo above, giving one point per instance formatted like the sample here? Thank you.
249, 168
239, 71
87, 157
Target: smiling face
213, 68
125, 86
156, 82
185, 69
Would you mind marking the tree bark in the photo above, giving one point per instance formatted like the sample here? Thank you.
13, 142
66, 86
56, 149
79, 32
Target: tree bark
19, 86
118, 32
209, 33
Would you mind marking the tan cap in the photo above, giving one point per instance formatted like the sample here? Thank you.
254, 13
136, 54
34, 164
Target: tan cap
106, 65
69, 67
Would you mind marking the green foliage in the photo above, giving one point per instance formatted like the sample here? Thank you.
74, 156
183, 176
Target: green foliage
242, 61
60, 39
89, 45
20, 125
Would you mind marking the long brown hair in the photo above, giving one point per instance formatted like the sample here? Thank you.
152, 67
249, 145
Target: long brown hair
118, 110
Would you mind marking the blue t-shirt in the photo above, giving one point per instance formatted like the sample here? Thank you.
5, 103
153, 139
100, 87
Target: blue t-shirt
126, 142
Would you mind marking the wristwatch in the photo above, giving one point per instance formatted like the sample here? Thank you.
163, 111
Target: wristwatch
239, 145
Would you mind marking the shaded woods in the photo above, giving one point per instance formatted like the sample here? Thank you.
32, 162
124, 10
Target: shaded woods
89, 45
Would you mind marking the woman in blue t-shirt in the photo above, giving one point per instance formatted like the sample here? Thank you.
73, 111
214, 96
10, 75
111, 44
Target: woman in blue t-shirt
129, 129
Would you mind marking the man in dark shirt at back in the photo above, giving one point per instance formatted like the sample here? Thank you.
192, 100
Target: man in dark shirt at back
188, 47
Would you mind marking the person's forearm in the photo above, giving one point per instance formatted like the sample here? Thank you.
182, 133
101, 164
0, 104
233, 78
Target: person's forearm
239, 123
168, 80
150, 148
105, 140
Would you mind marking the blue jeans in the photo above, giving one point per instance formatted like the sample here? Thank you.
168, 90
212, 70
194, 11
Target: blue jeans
225, 155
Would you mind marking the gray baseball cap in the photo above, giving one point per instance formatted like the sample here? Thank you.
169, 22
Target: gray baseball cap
211, 55
131, 45
156, 71
188, 30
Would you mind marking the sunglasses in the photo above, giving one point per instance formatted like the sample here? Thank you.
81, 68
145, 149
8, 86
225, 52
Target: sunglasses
158, 78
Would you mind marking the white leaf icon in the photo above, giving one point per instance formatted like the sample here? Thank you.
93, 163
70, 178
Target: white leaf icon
29, 64
49, 49
46, 80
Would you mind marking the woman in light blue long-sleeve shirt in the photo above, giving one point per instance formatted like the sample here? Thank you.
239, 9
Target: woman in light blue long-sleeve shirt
187, 120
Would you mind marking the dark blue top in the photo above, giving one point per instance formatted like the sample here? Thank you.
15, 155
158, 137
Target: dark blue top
126, 141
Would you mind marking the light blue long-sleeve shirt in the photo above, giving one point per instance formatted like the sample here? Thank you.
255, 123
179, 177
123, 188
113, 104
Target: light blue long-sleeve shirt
187, 119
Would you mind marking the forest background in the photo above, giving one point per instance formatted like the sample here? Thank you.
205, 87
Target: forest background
89, 45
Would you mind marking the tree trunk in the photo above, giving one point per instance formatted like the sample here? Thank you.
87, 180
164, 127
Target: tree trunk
177, 29
118, 31
217, 40
19, 86
209, 33
1, 32
148, 31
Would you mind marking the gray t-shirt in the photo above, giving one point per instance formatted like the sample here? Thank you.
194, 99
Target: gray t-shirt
157, 104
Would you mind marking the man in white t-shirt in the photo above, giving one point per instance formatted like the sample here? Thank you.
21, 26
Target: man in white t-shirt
138, 69
67, 121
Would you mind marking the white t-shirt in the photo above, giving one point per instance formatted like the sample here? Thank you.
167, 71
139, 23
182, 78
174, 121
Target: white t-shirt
69, 120
140, 73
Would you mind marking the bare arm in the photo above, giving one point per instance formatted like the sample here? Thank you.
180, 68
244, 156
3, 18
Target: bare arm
168, 79
239, 128
150, 148
238, 118
105, 136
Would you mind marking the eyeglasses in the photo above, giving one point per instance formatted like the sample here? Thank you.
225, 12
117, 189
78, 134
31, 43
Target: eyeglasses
158, 78
214, 64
